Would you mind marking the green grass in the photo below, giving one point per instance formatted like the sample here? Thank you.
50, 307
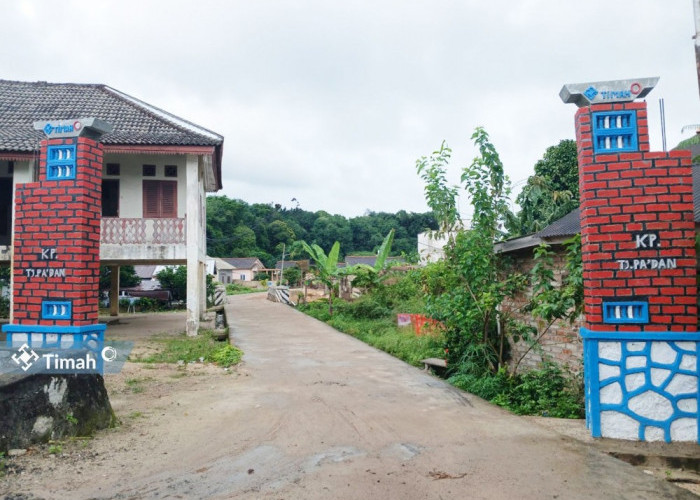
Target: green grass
236, 289
382, 333
136, 384
191, 349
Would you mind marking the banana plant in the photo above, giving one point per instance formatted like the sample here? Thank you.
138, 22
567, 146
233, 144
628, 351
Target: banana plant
327, 268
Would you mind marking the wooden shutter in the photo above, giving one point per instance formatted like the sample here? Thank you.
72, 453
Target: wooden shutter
151, 199
168, 199
159, 199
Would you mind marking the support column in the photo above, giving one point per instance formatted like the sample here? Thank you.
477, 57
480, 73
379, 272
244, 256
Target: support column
114, 290
194, 217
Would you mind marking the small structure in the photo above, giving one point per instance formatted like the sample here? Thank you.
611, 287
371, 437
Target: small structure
641, 343
238, 269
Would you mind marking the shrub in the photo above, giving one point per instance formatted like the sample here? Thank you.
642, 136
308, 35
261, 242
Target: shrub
547, 391
367, 307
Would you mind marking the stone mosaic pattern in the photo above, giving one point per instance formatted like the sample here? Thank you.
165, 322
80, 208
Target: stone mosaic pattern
645, 390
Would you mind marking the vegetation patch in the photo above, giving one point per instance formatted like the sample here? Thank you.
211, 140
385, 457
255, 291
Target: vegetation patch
202, 348
238, 289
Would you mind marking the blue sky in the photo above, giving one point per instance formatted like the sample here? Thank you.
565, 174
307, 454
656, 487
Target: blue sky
331, 103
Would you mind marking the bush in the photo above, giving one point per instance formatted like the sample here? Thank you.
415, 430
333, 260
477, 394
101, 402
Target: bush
367, 307
4, 307
547, 391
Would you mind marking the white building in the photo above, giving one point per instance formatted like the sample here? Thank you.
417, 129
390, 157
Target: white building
157, 170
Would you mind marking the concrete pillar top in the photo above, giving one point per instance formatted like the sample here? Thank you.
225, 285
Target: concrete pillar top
585, 94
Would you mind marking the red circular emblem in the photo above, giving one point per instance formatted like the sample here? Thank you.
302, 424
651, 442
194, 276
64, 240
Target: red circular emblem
635, 88
77, 125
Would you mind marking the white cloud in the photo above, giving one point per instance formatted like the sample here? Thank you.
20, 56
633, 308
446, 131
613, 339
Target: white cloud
331, 103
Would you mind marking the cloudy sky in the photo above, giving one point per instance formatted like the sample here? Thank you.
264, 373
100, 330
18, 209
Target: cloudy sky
332, 102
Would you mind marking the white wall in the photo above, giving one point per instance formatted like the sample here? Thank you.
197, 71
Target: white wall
131, 180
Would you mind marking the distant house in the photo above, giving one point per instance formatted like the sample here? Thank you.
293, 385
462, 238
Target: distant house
431, 246
239, 269
147, 275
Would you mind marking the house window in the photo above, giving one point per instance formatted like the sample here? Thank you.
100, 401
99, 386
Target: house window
113, 169
11, 167
171, 170
159, 199
149, 170
110, 198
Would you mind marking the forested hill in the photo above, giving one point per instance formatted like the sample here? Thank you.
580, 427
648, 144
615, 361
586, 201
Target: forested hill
237, 229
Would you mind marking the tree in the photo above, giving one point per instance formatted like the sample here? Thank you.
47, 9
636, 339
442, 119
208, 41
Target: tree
127, 277
326, 266
175, 280
551, 193
292, 275
466, 290
441, 198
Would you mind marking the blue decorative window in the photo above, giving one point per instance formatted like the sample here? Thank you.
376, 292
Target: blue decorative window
60, 162
626, 312
615, 131
56, 309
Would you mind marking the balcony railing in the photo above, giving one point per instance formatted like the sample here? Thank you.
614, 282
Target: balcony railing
118, 231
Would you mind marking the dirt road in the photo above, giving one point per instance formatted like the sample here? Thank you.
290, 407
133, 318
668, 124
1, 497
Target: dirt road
313, 414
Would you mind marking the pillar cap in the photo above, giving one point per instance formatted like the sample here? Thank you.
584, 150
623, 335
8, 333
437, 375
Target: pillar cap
74, 127
585, 94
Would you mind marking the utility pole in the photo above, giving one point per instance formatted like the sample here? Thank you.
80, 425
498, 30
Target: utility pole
284, 247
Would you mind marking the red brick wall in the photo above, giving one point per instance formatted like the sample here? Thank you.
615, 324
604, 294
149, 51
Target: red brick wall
623, 194
63, 215
561, 344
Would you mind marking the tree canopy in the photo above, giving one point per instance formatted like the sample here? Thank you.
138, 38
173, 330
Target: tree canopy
551, 192
238, 229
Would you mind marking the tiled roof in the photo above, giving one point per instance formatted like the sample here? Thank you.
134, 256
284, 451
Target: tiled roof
135, 122
243, 262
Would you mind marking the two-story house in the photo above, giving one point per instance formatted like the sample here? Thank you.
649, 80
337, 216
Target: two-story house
157, 170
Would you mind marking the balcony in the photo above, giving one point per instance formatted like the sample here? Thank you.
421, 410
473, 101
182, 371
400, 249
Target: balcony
136, 240
153, 240
118, 231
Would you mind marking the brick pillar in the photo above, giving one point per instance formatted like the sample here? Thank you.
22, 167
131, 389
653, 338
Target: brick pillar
639, 271
637, 230
56, 248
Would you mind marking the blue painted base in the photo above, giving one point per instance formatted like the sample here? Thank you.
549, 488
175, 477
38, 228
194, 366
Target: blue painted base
642, 385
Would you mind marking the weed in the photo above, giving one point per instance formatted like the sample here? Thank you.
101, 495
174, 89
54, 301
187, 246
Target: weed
71, 419
135, 414
226, 356
55, 449
135, 384
192, 349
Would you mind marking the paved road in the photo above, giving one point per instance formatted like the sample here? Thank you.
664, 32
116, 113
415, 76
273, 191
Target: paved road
315, 414
335, 418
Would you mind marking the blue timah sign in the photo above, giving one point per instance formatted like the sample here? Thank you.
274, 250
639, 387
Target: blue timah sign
585, 94
73, 127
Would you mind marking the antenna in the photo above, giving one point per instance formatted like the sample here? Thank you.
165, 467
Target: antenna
662, 112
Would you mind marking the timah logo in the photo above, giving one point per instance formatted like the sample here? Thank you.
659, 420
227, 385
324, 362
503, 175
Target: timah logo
25, 357
591, 92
